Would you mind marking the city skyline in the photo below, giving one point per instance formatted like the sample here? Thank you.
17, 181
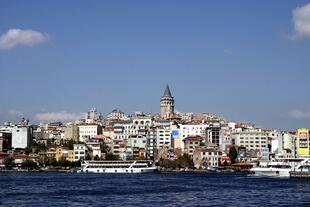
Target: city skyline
245, 62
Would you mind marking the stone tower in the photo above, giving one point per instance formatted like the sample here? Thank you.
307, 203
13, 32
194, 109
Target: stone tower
166, 105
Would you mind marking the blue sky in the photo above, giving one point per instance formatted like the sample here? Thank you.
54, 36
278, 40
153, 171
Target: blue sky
244, 60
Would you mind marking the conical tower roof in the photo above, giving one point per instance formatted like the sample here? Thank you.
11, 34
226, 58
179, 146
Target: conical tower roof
167, 92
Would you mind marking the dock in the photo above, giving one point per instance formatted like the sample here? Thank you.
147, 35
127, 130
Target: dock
300, 175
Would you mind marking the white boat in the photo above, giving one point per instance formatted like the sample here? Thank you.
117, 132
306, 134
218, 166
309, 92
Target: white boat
128, 166
277, 168
303, 166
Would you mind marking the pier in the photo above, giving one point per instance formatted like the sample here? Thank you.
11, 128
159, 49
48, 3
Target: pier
300, 175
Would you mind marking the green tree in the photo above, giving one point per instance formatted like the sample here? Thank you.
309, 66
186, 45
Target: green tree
69, 144
52, 162
96, 157
39, 148
9, 163
111, 156
29, 164
233, 154
104, 148
87, 157
185, 161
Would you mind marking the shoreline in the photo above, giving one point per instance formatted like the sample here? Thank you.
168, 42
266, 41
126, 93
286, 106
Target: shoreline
53, 170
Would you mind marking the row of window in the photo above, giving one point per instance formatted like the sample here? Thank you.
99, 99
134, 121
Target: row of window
257, 142
88, 132
210, 153
252, 146
253, 137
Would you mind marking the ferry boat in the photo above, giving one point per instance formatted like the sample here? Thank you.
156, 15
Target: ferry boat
128, 166
277, 168
303, 166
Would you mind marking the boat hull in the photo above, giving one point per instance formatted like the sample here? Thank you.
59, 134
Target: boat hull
119, 170
271, 172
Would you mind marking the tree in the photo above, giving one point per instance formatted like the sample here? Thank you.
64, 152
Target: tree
39, 148
9, 163
52, 162
87, 157
96, 157
104, 148
233, 154
69, 144
29, 164
185, 162
111, 156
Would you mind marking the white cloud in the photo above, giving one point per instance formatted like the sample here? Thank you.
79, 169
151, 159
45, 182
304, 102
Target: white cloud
17, 37
58, 116
301, 21
299, 114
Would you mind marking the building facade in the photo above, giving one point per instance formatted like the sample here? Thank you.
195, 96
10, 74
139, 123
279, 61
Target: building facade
80, 152
88, 131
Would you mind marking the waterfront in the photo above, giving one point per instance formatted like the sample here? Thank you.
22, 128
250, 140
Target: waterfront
158, 189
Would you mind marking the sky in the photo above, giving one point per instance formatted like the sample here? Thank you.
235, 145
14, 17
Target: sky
244, 60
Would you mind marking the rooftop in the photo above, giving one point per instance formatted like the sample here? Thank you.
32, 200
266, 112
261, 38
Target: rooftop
167, 92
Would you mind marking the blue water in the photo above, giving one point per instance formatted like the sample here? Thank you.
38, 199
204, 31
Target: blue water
166, 189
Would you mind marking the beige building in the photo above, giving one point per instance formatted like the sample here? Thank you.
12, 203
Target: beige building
71, 132
252, 139
191, 143
206, 158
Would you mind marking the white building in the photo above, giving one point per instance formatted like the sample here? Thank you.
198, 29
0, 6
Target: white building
187, 130
163, 138
94, 148
185, 116
21, 137
138, 126
117, 115
137, 141
80, 152
286, 143
87, 131
225, 138
252, 139
93, 116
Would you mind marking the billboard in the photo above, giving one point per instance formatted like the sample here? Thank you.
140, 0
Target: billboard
303, 142
175, 134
